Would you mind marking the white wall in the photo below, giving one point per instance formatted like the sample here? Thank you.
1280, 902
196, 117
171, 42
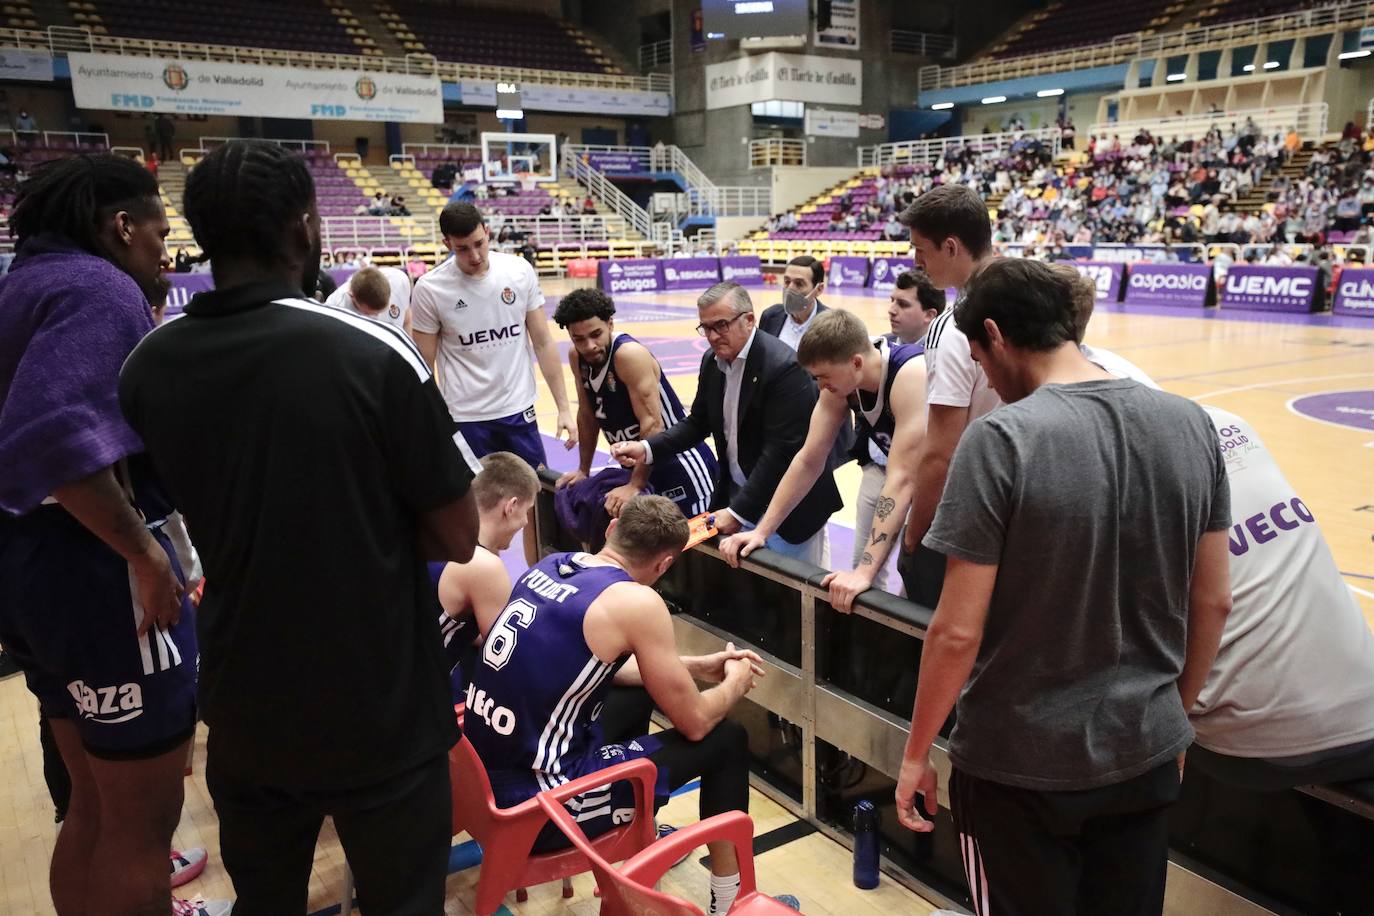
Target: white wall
734, 228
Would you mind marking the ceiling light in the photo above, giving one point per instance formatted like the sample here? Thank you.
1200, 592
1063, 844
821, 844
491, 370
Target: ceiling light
1049, 93
941, 106
1272, 65
1351, 55
994, 99
1248, 68
1175, 77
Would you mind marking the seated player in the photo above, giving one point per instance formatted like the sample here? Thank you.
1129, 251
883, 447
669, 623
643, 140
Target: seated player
622, 391
913, 304
504, 491
887, 383
1289, 700
382, 293
577, 623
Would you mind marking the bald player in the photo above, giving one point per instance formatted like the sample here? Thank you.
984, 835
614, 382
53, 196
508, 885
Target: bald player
887, 384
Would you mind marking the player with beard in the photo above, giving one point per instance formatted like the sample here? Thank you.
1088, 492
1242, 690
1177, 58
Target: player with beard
622, 391
92, 602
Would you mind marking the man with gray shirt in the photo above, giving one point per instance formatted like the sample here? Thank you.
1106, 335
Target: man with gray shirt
1086, 529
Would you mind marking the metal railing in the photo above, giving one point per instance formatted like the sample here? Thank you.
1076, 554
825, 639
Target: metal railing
1310, 120
772, 151
379, 231
1351, 14
604, 190
926, 44
655, 54
459, 152
926, 152
48, 136
705, 197
60, 40
300, 146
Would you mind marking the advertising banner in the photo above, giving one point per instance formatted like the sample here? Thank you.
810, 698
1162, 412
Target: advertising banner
631, 276
843, 33
25, 65
885, 270
574, 99
120, 83
746, 271
1270, 289
1186, 285
690, 273
1355, 293
1106, 277
786, 77
184, 286
847, 272
822, 122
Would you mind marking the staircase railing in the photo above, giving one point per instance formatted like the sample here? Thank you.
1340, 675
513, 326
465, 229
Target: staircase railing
926, 152
604, 190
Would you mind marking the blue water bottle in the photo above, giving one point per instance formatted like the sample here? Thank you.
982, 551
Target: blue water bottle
865, 845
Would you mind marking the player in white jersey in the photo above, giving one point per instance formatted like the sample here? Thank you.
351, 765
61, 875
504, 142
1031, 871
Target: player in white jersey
1289, 700
952, 237
480, 316
382, 293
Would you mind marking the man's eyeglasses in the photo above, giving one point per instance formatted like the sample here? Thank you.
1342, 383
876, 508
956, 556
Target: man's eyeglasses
718, 328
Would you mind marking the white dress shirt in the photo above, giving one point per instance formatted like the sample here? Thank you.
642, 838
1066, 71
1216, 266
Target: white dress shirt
791, 332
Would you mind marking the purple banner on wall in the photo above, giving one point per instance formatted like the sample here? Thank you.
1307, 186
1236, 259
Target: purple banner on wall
631, 276
690, 273
1355, 293
886, 270
1106, 276
847, 272
1184, 285
746, 271
1270, 289
184, 286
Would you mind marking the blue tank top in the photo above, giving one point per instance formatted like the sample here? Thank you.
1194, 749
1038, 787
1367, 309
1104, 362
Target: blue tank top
611, 396
457, 632
875, 411
534, 700
686, 478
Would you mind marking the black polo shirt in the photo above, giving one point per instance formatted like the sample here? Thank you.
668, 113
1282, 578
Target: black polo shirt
302, 443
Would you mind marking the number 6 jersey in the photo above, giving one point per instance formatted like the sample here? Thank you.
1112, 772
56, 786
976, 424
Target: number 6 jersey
535, 697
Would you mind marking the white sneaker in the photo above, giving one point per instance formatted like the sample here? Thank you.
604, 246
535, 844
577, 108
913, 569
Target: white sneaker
187, 865
201, 907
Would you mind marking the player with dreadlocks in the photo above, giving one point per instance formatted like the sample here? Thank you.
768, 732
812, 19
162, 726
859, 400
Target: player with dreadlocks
322, 474
91, 596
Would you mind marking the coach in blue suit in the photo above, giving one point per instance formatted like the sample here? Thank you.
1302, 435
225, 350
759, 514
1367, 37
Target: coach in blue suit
755, 401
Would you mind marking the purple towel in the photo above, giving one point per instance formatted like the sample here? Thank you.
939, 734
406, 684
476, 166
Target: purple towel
581, 508
68, 319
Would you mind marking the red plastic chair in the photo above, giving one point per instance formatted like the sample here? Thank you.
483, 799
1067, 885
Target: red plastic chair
630, 891
506, 835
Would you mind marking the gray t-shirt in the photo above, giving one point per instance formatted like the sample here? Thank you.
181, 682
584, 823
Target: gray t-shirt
1090, 498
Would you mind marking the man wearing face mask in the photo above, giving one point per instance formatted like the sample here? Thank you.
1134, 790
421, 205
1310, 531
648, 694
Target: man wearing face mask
802, 281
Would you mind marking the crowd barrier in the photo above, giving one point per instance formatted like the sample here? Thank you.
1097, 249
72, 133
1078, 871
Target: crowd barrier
828, 723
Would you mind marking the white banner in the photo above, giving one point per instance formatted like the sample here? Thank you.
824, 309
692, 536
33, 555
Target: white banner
25, 65
821, 122
789, 77
211, 88
844, 26
570, 99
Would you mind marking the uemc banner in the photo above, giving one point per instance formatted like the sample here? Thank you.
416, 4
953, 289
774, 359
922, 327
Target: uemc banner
885, 271
1355, 293
1106, 278
205, 87
631, 276
847, 272
746, 271
1270, 289
1188, 285
690, 273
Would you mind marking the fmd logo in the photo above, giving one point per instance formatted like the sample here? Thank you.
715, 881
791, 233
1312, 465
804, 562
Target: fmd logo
126, 100
328, 111
175, 77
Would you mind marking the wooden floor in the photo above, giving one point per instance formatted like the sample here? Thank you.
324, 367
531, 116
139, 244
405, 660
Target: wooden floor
814, 868
1253, 366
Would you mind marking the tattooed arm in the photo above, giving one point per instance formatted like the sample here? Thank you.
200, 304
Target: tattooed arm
908, 406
